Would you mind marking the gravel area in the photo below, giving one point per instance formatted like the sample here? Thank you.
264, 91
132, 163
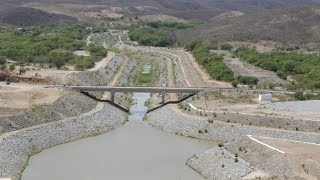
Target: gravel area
218, 163
170, 120
16, 147
303, 107
312, 167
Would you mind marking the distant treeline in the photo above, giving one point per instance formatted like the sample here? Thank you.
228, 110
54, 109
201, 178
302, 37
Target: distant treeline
174, 25
304, 69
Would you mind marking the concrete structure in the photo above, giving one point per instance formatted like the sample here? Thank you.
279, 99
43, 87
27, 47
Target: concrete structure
138, 89
265, 97
160, 90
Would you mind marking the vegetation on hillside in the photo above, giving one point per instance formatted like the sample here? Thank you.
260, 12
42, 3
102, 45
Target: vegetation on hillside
49, 45
211, 62
303, 68
173, 25
25, 45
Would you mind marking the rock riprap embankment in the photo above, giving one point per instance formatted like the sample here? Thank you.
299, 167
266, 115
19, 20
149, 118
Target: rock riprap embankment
16, 147
169, 120
218, 163
233, 135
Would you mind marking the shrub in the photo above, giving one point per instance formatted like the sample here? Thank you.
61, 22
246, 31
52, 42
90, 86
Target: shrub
227, 47
3, 60
248, 80
3, 67
234, 84
12, 67
299, 96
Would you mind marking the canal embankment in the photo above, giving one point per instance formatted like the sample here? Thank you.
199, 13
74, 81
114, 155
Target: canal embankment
16, 147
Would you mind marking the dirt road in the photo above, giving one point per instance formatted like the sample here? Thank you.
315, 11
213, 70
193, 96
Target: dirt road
103, 63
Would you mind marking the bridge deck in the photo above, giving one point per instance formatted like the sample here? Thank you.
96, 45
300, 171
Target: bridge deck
139, 89
169, 89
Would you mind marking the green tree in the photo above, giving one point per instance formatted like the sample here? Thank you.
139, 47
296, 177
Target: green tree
299, 96
59, 59
227, 47
3, 60
3, 67
12, 67
22, 70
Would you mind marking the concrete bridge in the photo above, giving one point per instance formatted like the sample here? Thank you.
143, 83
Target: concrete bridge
164, 90
160, 90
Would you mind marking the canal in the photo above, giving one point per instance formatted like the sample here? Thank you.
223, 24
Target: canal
136, 151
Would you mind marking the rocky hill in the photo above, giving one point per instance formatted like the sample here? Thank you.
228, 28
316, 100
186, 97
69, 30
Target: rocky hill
298, 25
27, 16
188, 9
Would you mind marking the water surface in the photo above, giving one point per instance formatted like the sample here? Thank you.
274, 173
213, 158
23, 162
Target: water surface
136, 151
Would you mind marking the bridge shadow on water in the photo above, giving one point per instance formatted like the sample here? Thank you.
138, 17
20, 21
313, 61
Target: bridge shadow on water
127, 111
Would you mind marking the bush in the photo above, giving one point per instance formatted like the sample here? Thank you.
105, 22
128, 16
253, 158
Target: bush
299, 96
227, 47
22, 71
248, 80
234, 84
3, 67
12, 67
97, 51
3, 60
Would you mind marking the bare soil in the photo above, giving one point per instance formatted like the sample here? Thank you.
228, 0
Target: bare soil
296, 154
26, 97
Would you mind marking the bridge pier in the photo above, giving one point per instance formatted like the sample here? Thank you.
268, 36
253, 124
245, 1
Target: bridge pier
163, 97
112, 96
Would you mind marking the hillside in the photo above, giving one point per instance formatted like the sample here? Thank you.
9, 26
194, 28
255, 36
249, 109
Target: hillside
27, 16
98, 9
294, 25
